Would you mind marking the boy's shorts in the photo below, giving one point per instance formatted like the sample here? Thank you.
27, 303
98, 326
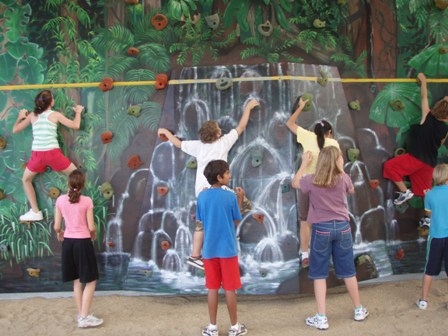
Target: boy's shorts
53, 158
437, 252
222, 272
78, 260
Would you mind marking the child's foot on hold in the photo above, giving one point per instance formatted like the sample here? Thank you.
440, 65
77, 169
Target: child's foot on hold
238, 331
89, 321
196, 262
361, 313
31, 216
318, 322
403, 197
422, 304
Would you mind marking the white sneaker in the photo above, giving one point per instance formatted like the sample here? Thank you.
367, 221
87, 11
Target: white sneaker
31, 216
422, 304
242, 330
403, 197
361, 314
318, 322
89, 321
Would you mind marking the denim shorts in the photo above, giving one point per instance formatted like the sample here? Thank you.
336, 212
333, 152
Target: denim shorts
331, 240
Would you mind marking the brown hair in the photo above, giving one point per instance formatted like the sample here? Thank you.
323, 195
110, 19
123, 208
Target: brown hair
214, 169
209, 131
76, 181
42, 101
327, 170
440, 109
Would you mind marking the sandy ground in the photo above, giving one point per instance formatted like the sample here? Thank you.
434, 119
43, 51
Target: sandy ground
391, 305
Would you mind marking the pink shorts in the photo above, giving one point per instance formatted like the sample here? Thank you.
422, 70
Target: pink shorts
223, 272
53, 158
420, 173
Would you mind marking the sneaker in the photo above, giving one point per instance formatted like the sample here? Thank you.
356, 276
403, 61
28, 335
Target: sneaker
304, 260
425, 222
242, 330
403, 197
207, 331
422, 304
196, 262
318, 322
89, 321
361, 314
31, 216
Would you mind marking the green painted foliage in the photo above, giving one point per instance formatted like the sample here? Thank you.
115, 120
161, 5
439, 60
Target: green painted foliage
16, 20
433, 61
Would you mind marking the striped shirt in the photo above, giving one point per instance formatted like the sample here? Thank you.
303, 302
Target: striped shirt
44, 133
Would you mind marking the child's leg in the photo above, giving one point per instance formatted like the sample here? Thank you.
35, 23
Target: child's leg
70, 168
87, 298
320, 293
77, 293
198, 238
27, 180
352, 288
212, 300
426, 286
231, 302
305, 236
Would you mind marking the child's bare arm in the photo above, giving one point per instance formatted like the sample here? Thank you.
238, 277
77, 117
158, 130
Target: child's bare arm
424, 95
170, 136
291, 123
246, 114
76, 122
307, 157
23, 120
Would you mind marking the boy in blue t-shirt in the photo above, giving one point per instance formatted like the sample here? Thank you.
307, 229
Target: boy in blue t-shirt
437, 246
218, 210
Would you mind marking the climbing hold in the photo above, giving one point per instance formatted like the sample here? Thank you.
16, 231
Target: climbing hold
159, 21
135, 110
256, 157
374, 183
162, 190
285, 187
33, 272
397, 105
258, 217
110, 244
106, 84
192, 163
54, 192
133, 51
4, 248
323, 80
441, 4
134, 162
399, 254
2, 194
212, 21
165, 245
2, 142
399, 151
161, 81
106, 137
353, 154
265, 29
106, 190
263, 272
342, 2
443, 50
307, 96
319, 24
223, 83
131, 2
355, 105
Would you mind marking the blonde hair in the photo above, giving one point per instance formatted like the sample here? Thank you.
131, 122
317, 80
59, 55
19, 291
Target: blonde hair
440, 174
327, 169
208, 133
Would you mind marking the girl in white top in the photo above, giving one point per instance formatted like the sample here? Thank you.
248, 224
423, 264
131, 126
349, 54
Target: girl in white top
311, 142
45, 149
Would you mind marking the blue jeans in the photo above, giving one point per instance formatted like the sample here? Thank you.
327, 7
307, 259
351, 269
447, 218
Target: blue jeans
331, 239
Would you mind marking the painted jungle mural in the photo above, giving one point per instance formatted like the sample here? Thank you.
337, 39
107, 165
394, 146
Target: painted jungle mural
139, 65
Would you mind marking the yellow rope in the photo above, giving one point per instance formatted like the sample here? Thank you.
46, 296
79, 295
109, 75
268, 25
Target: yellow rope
213, 80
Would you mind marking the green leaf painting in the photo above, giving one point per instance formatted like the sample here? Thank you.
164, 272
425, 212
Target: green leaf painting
433, 61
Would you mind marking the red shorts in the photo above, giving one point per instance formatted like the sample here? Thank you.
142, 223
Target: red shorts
420, 173
223, 272
53, 158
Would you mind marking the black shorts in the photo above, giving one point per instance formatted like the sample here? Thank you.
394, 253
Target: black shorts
79, 260
436, 253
